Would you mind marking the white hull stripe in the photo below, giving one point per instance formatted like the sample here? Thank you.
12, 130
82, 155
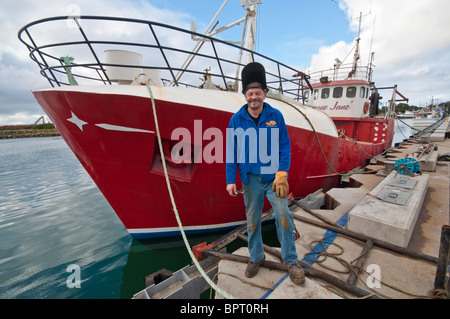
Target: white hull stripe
212, 99
110, 127
187, 228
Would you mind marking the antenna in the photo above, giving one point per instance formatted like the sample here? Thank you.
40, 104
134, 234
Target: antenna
336, 68
245, 3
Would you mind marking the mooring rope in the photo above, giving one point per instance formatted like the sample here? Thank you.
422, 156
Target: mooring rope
320, 144
430, 127
200, 269
352, 267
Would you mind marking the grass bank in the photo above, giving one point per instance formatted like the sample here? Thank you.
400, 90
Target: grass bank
22, 131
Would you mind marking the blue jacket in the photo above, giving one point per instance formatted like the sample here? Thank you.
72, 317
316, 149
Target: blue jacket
261, 150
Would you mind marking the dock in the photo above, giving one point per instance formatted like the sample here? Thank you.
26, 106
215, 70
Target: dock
385, 235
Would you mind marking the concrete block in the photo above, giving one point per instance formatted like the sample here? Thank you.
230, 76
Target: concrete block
439, 133
315, 200
253, 288
387, 221
428, 162
425, 137
310, 290
437, 137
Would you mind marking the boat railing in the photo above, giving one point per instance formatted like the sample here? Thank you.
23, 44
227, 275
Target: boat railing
343, 72
70, 50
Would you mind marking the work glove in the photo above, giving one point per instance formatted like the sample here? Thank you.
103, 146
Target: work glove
280, 184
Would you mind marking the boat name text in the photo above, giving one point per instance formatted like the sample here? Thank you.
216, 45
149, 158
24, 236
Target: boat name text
337, 106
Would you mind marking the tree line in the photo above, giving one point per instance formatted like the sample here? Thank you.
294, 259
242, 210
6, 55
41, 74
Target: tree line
403, 107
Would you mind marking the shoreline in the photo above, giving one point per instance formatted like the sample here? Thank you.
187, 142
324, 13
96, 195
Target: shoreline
27, 131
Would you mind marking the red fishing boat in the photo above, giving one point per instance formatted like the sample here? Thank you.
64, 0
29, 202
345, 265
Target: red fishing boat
101, 99
348, 95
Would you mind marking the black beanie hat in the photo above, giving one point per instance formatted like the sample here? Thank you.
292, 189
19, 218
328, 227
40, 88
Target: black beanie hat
253, 72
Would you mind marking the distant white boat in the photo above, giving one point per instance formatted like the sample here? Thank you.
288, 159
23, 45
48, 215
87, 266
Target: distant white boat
406, 115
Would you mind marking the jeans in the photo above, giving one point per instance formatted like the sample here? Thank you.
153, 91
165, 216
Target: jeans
254, 202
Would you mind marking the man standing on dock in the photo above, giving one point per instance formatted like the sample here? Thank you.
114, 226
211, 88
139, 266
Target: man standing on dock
254, 130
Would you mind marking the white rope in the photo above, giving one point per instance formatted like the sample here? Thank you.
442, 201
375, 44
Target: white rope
200, 269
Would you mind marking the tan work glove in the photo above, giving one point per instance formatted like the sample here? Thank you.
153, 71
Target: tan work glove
280, 184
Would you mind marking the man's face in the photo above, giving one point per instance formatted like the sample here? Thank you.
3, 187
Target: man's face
255, 98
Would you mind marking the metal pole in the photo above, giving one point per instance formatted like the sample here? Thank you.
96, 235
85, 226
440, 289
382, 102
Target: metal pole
325, 220
43, 60
236, 84
198, 45
162, 53
441, 270
215, 17
356, 270
268, 249
364, 238
92, 49
309, 271
218, 62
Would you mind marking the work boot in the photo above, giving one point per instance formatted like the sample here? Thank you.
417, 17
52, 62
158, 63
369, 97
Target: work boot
253, 268
296, 274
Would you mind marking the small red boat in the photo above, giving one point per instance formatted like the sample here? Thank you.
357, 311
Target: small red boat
100, 102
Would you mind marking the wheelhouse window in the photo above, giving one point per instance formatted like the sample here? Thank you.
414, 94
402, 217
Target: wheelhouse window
337, 92
367, 92
325, 93
316, 94
306, 95
351, 91
362, 92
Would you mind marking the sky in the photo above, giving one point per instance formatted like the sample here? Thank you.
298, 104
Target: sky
410, 39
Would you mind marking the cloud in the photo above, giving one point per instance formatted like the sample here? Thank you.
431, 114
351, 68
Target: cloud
19, 75
326, 56
410, 41
16, 80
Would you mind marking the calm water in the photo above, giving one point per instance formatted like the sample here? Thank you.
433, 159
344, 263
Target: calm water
52, 215
402, 130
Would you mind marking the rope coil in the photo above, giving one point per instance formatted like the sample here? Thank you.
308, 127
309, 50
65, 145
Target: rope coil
352, 267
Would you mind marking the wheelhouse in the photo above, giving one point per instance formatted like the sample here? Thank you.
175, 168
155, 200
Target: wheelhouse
350, 98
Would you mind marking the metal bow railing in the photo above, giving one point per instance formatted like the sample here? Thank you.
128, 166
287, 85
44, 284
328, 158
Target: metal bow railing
69, 50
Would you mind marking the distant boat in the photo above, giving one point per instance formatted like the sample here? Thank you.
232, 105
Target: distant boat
101, 105
406, 115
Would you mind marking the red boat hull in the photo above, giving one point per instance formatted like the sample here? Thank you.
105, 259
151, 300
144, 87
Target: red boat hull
112, 135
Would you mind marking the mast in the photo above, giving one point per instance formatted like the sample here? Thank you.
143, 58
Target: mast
199, 45
356, 55
250, 37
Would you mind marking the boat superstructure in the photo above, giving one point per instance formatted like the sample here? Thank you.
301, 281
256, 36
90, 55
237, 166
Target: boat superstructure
348, 94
